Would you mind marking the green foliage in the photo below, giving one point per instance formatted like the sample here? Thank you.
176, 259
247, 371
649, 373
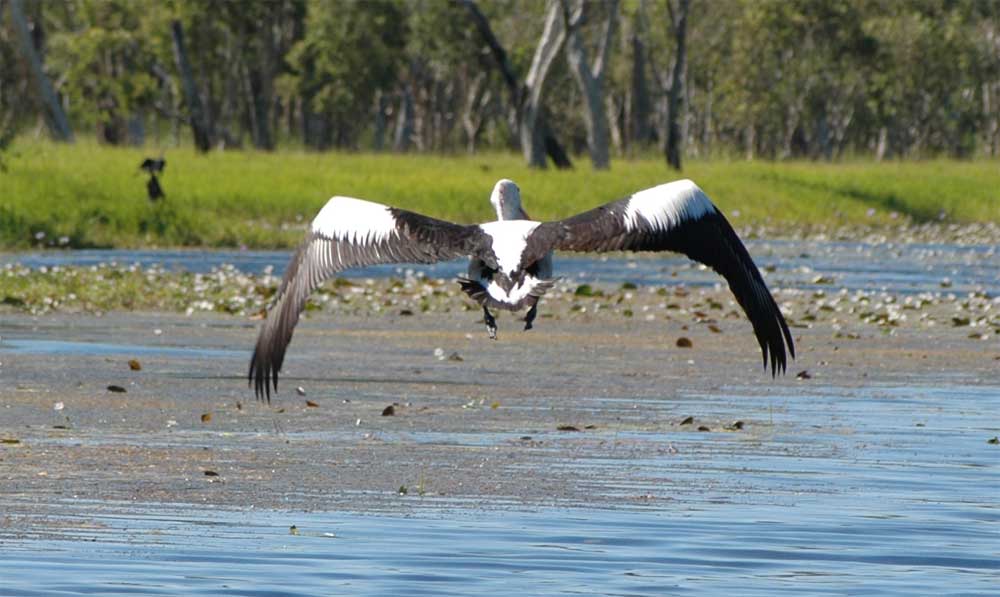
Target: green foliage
89, 196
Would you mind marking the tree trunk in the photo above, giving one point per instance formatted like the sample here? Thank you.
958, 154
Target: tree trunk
591, 80
199, 123
404, 121
639, 108
553, 36
378, 136
55, 117
535, 136
678, 25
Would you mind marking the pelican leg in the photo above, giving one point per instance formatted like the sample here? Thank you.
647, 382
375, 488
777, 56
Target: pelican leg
491, 323
530, 317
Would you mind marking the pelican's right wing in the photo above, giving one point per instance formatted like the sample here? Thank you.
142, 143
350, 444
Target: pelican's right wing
351, 233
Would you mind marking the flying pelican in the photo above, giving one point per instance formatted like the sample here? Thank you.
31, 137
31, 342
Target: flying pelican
511, 258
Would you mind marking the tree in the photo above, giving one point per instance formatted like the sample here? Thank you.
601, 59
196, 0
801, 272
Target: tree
591, 79
675, 138
536, 138
55, 117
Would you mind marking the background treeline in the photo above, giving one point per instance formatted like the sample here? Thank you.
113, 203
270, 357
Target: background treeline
735, 78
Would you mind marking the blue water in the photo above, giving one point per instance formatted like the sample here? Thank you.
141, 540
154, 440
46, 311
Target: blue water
880, 490
853, 266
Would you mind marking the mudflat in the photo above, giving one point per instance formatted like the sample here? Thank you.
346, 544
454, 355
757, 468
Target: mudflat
393, 411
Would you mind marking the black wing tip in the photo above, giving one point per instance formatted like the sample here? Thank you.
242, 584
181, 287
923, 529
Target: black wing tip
261, 376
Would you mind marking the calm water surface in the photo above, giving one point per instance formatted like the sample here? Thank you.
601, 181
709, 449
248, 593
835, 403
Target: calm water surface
885, 490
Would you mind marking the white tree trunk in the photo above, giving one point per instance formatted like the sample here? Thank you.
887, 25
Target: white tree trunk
591, 80
553, 36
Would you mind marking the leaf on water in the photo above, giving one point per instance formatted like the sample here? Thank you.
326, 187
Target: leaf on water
134, 365
683, 342
300, 391
495, 404
389, 411
737, 425
116, 389
209, 473
567, 428
402, 490
714, 328
405, 312
590, 426
687, 421
293, 530
994, 440
311, 404
60, 427
206, 417
703, 428
9, 441
803, 375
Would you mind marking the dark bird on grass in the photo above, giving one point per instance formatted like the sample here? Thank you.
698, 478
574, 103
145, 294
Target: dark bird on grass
154, 167
510, 259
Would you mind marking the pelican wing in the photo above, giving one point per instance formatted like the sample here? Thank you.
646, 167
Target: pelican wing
351, 233
677, 217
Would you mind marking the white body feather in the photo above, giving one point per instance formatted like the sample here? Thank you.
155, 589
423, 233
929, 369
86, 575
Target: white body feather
509, 240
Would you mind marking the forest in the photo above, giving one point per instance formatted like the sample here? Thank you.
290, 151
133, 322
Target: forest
560, 81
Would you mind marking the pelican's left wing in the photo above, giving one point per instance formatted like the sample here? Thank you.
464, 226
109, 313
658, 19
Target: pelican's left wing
350, 233
678, 217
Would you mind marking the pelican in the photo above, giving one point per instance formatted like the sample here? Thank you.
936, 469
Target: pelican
510, 259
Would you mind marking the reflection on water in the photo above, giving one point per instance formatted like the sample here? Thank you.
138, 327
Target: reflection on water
895, 268
885, 490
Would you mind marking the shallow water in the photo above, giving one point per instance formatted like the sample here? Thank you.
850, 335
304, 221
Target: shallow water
884, 490
882, 487
898, 268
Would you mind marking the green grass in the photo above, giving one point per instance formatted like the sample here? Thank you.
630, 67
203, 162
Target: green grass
94, 196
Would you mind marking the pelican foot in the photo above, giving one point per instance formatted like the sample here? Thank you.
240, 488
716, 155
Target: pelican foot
491, 324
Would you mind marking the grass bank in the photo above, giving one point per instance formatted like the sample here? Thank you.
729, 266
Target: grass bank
87, 195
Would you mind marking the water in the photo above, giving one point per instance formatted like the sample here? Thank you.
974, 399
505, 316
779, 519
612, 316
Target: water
896, 268
883, 490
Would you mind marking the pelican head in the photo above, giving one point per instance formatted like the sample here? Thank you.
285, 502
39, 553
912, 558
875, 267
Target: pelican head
506, 199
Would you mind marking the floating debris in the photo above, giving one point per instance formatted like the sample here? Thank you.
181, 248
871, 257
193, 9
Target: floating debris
134, 365
455, 357
293, 530
803, 375
209, 473
687, 421
9, 441
206, 417
703, 428
567, 428
402, 490
683, 342
387, 411
116, 389
301, 391
994, 440
311, 404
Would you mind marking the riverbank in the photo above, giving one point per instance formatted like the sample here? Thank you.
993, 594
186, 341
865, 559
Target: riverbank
85, 195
